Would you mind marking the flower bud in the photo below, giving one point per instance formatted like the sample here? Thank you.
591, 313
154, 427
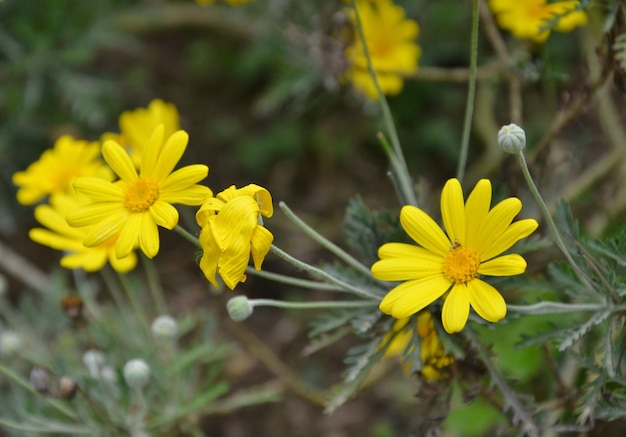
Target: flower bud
239, 308
512, 138
67, 388
164, 328
39, 379
136, 373
93, 361
10, 342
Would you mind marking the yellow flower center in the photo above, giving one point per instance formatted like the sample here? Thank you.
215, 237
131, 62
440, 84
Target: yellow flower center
461, 264
381, 47
141, 195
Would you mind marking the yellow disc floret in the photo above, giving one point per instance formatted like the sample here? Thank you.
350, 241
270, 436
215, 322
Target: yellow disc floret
461, 264
141, 195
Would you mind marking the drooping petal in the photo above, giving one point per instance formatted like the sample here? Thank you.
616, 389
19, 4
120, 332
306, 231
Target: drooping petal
260, 244
120, 162
506, 265
515, 232
210, 254
476, 210
496, 222
99, 190
453, 210
236, 220
486, 300
170, 154
164, 214
406, 262
184, 177
456, 309
412, 296
148, 235
424, 230
129, 236
93, 214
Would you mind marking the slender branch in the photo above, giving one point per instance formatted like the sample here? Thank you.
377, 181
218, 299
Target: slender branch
188, 236
560, 308
312, 305
297, 282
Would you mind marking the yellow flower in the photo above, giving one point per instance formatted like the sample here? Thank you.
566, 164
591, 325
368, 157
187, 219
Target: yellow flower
390, 39
453, 263
231, 231
134, 205
61, 236
57, 167
137, 126
530, 19
432, 353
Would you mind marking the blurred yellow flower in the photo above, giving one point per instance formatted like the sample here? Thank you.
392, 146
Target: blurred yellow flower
59, 235
232, 230
390, 39
531, 19
136, 127
134, 205
452, 263
57, 167
399, 341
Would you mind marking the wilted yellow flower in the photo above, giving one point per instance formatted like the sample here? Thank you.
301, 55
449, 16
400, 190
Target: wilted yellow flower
452, 263
432, 353
136, 127
61, 236
134, 205
231, 231
390, 38
532, 19
57, 167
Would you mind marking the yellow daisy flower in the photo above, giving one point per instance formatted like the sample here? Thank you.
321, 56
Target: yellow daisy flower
58, 234
134, 205
390, 38
452, 263
231, 231
528, 19
57, 167
136, 127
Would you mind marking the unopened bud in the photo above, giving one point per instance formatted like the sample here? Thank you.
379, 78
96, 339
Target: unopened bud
165, 328
10, 342
512, 138
67, 388
93, 361
239, 308
136, 373
40, 379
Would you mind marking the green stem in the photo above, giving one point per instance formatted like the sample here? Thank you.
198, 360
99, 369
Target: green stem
561, 308
549, 220
188, 236
311, 305
156, 290
135, 302
324, 242
25, 384
401, 171
116, 293
469, 107
322, 274
297, 282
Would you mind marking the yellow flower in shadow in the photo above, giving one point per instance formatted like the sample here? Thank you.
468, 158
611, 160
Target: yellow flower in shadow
232, 230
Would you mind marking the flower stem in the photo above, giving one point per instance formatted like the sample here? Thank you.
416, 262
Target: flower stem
324, 242
297, 282
188, 236
549, 220
311, 305
138, 307
322, 274
469, 107
401, 171
561, 308
156, 290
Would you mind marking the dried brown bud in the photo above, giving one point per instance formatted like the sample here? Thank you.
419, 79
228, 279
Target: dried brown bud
67, 388
73, 307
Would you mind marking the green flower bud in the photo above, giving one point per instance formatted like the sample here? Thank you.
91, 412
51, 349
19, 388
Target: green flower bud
136, 373
239, 308
512, 138
164, 328
10, 343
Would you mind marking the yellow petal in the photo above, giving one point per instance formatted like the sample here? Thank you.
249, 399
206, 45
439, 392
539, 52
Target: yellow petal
453, 210
184, 177
99, 190
496, 222
518, 230
54, 241
164, 214
208, 209
88, 260
456, 309
486, 300
193, 195
408, 262
122, 265
210, 255
424, 230
412, 296
105, 230
476, 210
506, 265
120, 162
129, 236
152, 152
170, 154
235, 221
260, 244
94, 213
148, 236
